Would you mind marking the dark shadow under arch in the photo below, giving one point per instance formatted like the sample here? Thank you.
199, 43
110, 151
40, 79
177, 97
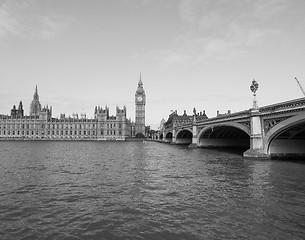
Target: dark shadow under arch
288, 142
184, 137
224, 136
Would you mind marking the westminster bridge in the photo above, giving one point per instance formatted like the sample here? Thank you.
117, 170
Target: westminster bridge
273, 130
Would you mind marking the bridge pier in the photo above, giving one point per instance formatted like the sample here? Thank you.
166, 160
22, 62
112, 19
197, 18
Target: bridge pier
257, 148
194, 143
174, 140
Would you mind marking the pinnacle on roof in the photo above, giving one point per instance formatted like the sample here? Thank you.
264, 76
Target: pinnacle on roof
140, 89
140, 84
36, 96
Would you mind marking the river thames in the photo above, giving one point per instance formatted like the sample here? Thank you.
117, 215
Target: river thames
136, 190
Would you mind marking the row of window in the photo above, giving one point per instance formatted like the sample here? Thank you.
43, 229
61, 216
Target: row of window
113, 125
57, 126
43, 126
49, 132
58, 132
53, 126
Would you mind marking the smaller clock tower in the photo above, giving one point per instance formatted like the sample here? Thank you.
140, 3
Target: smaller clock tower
140, 100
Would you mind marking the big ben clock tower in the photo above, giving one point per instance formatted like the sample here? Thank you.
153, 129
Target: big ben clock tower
140, 98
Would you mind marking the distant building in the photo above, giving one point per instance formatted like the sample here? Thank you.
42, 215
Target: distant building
174, 119
40, 124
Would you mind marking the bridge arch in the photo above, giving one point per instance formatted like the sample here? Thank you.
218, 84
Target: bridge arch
168, 137
161, 137
225, 135
184, 136
287, 137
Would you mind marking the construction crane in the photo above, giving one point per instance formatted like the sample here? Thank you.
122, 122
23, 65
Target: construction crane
300, 85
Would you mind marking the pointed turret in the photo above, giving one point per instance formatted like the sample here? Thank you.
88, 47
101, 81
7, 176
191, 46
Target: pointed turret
20, 105
35, 105
20, 112
36, 96
14, 112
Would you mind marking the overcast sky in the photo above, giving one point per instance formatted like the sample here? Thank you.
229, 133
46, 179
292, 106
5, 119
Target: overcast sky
191, 53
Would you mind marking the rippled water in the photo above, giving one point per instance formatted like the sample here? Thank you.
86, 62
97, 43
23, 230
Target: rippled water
135, 190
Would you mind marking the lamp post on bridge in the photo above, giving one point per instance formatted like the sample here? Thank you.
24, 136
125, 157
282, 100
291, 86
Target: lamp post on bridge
194, 143
253, 88
256, 138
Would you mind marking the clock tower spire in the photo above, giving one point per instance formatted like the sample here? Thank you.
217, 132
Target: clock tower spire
140, 101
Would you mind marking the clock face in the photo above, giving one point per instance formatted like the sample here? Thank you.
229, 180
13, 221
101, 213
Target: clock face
139, 99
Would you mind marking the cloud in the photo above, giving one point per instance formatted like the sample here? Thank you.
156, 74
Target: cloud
52, 25
9, 25
172, 57
144, 2
210, 20
268, 9
187, 11
224, 29
30, 18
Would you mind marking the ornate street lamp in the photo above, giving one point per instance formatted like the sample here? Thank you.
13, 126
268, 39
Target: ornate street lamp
253, 88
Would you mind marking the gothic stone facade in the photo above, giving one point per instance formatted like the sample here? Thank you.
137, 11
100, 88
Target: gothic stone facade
41, 125
175, 119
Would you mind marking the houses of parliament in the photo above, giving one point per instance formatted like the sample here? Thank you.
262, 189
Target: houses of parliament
40, 125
